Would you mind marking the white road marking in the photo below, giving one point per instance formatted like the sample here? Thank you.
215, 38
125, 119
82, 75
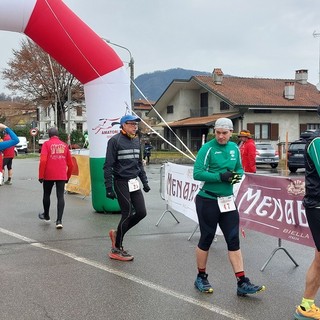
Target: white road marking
128, 276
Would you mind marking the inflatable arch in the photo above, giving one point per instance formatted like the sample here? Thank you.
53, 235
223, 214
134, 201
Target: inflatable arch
58, 31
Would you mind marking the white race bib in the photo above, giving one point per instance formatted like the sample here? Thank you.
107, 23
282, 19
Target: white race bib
133, 184
226, 204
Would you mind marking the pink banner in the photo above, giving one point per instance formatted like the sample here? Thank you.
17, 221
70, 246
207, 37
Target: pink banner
273, 206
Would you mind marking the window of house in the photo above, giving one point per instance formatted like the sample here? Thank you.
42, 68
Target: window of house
262, 131
313, 126
170, 109
79, 111
204, 103
79, 127
224, 106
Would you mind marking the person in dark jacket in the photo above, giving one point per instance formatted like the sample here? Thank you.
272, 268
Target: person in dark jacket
122, 167
311, 201
147, 152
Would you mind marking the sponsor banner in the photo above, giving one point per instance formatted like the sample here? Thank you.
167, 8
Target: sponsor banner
79, 181
180, 189
273, 206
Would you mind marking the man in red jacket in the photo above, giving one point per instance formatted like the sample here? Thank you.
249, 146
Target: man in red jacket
248, 151
55, 168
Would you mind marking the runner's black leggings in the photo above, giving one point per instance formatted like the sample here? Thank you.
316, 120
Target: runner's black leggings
132, 207
209, 216
313, 217
47, 188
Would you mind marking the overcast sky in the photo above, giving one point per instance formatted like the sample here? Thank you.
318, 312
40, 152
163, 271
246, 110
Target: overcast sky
248, 38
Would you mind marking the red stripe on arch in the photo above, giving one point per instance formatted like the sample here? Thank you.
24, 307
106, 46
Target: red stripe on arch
62, 34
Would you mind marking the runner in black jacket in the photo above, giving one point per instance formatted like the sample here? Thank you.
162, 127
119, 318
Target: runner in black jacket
123, 165
311, 201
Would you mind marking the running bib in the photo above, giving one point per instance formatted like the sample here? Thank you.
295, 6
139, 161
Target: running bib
133, 185
226, 204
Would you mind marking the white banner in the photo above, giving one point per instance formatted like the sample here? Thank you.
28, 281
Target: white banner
180, 189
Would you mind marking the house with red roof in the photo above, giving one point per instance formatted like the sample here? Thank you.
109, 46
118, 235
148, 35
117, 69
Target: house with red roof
274, 110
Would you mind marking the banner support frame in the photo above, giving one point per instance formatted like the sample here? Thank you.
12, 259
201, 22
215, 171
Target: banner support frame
193, 232
273, 253
164, 212
162, 169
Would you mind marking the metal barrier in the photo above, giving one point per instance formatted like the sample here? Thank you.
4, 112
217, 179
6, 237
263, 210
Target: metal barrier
167, 210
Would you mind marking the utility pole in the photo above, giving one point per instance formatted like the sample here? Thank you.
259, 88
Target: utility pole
69, 117
317, 35
55, 93
131, 66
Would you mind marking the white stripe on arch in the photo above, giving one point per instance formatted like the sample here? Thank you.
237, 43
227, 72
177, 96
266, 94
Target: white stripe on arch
15, 14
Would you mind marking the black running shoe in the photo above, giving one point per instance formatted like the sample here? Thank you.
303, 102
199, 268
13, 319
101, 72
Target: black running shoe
59, 224
202, 284
247, 287
44, 217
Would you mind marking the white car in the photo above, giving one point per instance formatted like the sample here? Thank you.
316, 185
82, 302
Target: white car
22, 146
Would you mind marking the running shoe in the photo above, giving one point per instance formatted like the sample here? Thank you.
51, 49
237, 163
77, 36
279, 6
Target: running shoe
44, 217
313, 313
59, 224
202, 284
8, 182
247, 287
120, 254
113, 235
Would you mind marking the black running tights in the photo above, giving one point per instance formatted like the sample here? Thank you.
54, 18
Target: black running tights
47, 188
132, 207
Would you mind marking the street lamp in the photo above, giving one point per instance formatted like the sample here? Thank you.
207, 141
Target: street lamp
131, 66
317, 35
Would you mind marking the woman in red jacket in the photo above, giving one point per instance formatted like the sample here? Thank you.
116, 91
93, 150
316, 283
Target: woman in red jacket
55, 168
248, 151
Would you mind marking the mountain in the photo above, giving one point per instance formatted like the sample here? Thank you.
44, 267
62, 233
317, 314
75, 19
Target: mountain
153, 84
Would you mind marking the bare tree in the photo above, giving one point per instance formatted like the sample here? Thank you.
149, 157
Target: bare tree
41, 80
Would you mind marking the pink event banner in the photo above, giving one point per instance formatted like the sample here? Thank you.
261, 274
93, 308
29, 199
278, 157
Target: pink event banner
273, 205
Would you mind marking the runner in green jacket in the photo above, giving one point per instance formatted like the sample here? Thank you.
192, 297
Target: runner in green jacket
218, 165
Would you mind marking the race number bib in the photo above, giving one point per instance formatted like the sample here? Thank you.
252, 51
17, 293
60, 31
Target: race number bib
226, 204
133, 185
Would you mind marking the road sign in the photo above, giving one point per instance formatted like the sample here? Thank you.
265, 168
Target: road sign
34, 132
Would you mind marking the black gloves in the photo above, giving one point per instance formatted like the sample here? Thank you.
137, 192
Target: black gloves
230, 177
111, 194
40, 180
146, 187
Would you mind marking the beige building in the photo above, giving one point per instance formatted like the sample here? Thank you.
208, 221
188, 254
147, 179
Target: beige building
273, 110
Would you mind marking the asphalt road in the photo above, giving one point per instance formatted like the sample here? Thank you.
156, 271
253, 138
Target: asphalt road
66, 274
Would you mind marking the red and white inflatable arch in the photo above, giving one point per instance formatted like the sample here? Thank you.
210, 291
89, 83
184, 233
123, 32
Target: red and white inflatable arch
63, 35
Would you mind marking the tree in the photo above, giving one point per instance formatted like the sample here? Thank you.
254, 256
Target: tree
41, 80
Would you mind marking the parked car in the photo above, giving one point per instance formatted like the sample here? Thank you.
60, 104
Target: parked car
266, 154
42, 140
295, 155
22, 146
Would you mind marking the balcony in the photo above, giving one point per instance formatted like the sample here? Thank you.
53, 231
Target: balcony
202, 112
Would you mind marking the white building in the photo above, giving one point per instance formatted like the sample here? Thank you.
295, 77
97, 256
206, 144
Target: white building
75, 118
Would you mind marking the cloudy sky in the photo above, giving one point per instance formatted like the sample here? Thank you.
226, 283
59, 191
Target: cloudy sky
247, 38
